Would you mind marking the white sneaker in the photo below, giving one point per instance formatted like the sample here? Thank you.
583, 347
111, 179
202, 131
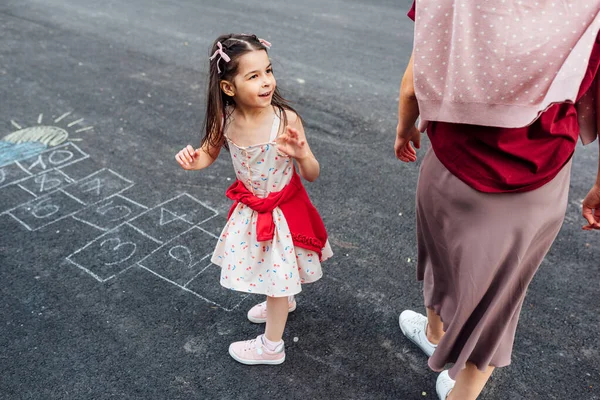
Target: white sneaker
414, 326
444, 385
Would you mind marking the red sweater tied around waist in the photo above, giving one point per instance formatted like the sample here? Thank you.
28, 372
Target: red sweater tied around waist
303, 219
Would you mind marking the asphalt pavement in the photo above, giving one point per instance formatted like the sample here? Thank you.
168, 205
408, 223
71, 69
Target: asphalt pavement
105, 288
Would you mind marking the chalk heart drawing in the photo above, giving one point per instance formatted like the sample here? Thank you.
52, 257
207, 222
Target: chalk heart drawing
124, 250
172, 240
29, 141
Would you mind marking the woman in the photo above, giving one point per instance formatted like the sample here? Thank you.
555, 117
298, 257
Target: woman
504, 94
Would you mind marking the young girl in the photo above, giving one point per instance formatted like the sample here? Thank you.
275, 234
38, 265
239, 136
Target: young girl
274, 239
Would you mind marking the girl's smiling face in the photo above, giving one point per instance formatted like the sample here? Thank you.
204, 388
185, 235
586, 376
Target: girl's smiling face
254, 83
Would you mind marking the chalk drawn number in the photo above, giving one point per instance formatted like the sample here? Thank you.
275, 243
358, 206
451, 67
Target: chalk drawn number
56, 157
182, 254
117, 247
47, 183
2, 175
42, 210
63, 157
39, 161
121, 210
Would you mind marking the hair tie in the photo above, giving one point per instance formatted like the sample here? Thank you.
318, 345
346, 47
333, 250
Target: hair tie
265, 43
222, 56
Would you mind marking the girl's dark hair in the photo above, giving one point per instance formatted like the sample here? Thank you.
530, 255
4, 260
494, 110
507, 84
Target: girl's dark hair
217, 102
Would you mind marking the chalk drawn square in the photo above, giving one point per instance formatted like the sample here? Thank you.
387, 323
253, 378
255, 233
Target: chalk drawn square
12, 173
113, 252
111, 212
59, 156
182, 258
169, 219
206, 285
98, 186
214, 225
45, 182
46, 210
12, 196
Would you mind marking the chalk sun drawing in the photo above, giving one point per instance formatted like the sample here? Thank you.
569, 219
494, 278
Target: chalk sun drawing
29, 141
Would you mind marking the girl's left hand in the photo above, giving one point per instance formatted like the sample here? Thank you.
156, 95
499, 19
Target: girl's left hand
293, 144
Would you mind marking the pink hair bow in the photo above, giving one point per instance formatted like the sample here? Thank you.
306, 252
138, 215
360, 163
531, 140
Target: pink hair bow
222, 56
265, 43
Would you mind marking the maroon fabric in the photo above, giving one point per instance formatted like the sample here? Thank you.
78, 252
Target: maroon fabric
303, 219
500, 160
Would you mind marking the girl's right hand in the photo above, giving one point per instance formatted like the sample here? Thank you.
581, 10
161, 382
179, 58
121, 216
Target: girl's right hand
591, 209
403, 148
189, 158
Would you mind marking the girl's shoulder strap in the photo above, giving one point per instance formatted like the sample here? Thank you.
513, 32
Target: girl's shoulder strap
276, 124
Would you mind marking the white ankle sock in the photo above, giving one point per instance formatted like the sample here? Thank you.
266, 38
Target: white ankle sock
271, 346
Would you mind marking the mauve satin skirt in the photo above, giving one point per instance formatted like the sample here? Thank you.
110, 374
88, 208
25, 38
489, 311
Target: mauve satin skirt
477, 254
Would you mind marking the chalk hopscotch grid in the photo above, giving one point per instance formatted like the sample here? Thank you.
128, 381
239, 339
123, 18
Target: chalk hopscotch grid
29, 174
73, 197
46, 166
128, 199
26, 190
210, 264
215, 213
23, 168
128, 222
82, 155
148, 210
116, 195
88, 222
62, 189
90, 243
54, 169
140, 263
16, 182
185, 286
194, 293
170, 241
200, 272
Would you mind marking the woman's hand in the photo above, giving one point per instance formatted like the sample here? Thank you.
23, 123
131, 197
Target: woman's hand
591, 209
190, 159
293, 143
403, 147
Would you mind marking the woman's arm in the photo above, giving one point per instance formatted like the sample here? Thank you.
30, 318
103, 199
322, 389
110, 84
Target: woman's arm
591, 203
598, 124
408, 112
408, 108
